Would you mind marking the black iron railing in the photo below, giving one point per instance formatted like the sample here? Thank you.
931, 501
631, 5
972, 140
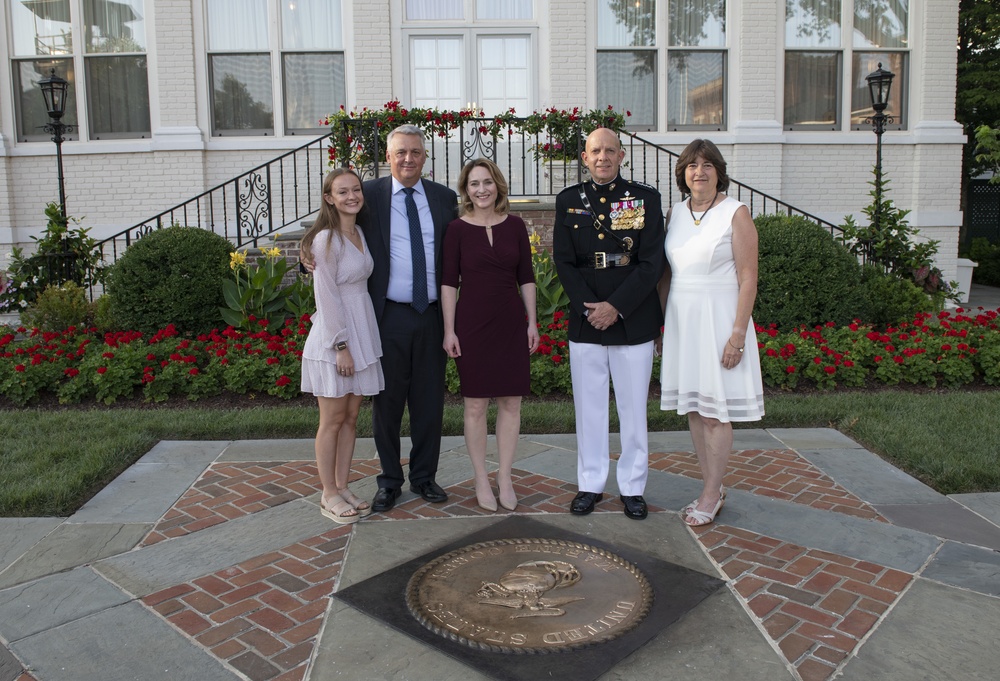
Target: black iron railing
284, 191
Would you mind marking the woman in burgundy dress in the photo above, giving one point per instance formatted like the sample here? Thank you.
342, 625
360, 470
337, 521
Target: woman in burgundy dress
490, 328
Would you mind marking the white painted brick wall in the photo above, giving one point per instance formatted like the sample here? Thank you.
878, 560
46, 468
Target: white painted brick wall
752, 93
373, 75
568, 54
175, 66
938, 61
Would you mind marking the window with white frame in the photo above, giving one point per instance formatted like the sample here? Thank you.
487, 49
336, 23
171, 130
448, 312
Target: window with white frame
284, 74
462, 52
99, 46
822, 70
630, 36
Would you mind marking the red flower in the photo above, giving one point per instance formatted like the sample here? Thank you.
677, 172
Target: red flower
556, 359
771, 352
282, 381
151, 357
817, 360
108, 355
71, 371
273, 360
830, 370
898, 359
194, 371
789, 369
101, 370
20, 368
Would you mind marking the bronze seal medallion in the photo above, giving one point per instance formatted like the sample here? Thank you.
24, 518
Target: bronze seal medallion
529, 595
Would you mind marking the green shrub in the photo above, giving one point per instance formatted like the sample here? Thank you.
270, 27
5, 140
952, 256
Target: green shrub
886, 299
59, 307
988, 257
805, 276
170, 276
103, 319
62, 254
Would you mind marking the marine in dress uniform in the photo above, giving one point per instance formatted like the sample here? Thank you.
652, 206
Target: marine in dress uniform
608, 248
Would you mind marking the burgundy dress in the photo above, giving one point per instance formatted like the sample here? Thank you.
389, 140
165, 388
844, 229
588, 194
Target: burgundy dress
490, 320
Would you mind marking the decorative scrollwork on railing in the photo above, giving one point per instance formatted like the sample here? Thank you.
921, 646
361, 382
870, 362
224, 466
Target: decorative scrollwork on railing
142, 230
479, 144
254, 205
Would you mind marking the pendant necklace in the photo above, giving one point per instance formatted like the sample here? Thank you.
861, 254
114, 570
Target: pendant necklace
697, 221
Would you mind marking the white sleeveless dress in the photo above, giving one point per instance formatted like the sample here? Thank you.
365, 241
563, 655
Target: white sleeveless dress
701, 307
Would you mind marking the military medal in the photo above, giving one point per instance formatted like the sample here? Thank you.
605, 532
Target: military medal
628, 243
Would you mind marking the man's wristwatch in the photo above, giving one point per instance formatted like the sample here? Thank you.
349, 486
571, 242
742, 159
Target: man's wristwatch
342, 345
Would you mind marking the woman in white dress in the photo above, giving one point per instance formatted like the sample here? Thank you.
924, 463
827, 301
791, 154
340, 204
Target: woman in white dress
340, 360
711, 368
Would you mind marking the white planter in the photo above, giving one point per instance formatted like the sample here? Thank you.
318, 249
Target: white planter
965, 267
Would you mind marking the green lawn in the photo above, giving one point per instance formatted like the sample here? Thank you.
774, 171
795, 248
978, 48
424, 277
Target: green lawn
51, 462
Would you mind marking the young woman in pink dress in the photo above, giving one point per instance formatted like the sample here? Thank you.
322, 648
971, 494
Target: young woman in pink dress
340, 360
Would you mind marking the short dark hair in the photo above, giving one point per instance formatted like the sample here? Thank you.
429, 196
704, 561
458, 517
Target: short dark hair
708, 151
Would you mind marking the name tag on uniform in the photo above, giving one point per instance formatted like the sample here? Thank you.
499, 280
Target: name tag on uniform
628, 214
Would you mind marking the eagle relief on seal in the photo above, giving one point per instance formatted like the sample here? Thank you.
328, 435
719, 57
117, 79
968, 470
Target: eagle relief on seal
523, 587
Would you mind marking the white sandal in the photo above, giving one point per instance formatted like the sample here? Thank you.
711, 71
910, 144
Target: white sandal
690, 507
341, 512
702, 517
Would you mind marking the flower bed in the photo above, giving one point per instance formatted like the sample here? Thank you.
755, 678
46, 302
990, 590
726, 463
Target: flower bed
952, 349
81, 365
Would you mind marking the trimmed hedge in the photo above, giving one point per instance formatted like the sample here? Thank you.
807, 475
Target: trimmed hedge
170, 276
806, 277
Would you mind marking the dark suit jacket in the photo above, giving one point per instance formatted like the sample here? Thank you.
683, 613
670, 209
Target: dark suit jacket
378, 201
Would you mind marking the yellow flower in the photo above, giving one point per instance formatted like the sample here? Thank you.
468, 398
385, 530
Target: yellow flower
271, 252
535, 239
237, 259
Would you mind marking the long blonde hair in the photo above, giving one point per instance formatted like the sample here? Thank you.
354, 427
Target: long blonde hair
328, 217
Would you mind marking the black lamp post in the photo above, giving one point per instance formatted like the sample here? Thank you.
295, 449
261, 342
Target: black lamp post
55, 90
879, 83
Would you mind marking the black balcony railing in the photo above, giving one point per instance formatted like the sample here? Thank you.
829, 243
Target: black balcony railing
284, 191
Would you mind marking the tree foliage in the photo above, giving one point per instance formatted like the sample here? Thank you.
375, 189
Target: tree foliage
978, 88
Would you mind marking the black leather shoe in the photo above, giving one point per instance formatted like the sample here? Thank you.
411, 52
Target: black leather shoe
385, 499
583, 502
635, 507
430, 491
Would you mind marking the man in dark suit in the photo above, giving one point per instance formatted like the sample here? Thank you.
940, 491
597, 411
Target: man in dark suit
608, 253
407, 216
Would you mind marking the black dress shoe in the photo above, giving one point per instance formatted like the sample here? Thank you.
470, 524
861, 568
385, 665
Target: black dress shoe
635, 507
583, 502
430, 491
385, 499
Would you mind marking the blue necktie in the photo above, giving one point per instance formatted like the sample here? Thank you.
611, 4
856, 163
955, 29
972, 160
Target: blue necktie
420, 301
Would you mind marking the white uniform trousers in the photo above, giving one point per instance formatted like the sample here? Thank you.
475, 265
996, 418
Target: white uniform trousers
629, 367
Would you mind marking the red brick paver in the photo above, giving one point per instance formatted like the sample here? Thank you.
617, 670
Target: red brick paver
263, 615
776, 473
815, 605
229, 490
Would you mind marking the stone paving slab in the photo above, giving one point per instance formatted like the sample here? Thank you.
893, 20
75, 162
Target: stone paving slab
985, 504
285, 450
70, 546
870, 477
968, 567
196, 453
17, 535
166, 563
753, 438
948, 520
877, 542
123, 643
813, 438
936, 632
147, 489
10, 667
53, 601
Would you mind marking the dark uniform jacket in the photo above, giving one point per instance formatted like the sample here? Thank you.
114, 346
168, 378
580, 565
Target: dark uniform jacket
631, 210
